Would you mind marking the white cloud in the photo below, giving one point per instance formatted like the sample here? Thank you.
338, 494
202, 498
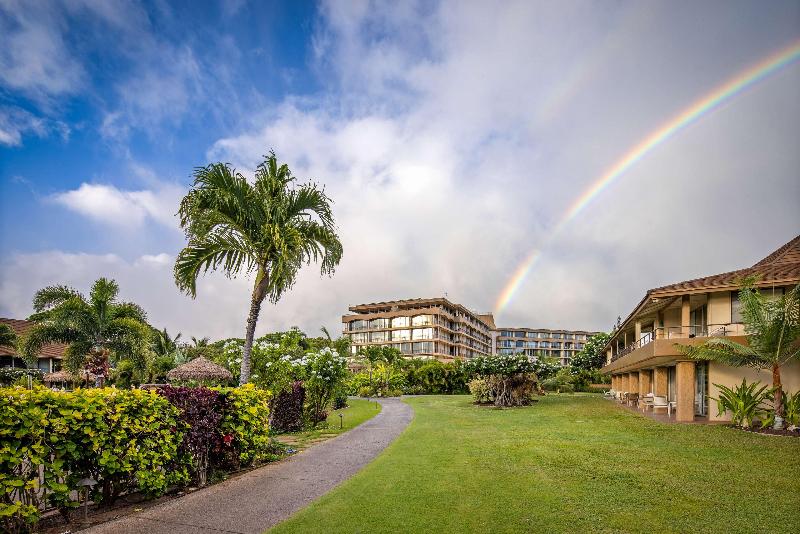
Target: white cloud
129, 209
16, 122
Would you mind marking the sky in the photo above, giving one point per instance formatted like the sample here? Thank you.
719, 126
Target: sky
453, 137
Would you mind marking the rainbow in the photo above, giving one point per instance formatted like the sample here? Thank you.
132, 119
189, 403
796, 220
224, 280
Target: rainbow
685, 118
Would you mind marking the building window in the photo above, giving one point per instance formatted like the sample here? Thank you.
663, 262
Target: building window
379, 323
379, 337
405, 348
360, 337
736, 308
519, 334
399, 322
420, 320
401, 335
530, 334
358, 325
425, 347
422, 333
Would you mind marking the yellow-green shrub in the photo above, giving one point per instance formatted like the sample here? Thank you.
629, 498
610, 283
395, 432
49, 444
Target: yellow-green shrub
123, 439
245, 422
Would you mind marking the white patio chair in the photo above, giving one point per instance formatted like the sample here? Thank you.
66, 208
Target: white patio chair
646, 401
660, 401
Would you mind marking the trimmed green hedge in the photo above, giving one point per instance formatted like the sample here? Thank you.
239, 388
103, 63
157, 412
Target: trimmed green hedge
126, 440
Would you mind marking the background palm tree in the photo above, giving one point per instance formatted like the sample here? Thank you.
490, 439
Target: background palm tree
269, 228
93, 328
772, 327
8, 338
199, 343
163, 343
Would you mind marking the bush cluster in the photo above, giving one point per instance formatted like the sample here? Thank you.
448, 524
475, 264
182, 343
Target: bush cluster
287, 409
125, 440
503, 380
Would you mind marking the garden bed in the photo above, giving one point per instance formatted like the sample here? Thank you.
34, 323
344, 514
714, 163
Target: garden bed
771, 431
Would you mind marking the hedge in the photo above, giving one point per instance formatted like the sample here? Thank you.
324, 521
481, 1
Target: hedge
126, 440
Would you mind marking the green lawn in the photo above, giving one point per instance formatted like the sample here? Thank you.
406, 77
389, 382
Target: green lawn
566, 464
357, 411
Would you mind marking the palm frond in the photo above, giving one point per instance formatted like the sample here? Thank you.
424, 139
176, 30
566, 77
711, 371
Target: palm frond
724, 351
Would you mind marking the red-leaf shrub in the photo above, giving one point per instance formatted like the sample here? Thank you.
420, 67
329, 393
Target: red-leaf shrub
201, 408
286, 414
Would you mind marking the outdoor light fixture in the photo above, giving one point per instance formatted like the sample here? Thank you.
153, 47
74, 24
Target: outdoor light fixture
341, 417
86, 484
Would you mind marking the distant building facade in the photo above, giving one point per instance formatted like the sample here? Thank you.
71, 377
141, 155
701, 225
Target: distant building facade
428, 328
541, 342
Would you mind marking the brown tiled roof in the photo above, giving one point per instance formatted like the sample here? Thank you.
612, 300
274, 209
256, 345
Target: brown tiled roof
782, 266
21, 327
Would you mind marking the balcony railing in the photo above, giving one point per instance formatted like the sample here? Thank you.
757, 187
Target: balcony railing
680, 332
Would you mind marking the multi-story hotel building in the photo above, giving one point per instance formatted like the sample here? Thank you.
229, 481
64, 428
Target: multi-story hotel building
641, 356
424, 328
541, 342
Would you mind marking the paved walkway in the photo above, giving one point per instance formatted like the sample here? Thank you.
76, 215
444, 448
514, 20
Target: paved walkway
264, 497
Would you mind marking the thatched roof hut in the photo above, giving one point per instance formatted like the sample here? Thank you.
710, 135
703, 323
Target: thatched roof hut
199, 369
64, 376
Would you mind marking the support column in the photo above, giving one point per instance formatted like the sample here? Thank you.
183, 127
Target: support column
660, 332
685, 315
644, 383
660, 378
633, 386
637, 331
685, 392
614, 382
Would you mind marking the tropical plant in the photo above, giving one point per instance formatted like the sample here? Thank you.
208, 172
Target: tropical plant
270, 228
745, 402
772, 327
8, 338
510, 379
326, 374
199, 343
163, 343
591, 356
792, 410
94, 329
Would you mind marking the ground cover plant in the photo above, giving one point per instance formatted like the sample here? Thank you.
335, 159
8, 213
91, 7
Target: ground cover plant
570, 463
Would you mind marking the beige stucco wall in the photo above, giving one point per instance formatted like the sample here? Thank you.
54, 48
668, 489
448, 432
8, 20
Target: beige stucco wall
719, 308
672, 317
732, 376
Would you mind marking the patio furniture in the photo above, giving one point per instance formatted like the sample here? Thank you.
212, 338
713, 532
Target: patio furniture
671, 405
659, 402
611, 394
646, 401
633, 399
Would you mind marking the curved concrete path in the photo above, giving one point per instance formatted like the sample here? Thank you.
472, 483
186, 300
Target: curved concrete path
264, 497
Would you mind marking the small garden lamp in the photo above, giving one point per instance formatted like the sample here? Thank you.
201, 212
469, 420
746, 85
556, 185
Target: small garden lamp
86, 484
341, 418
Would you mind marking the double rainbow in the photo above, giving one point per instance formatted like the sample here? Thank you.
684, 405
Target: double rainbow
700, 108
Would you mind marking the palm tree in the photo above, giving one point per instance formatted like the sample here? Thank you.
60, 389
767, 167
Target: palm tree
270, 228
772, 327
200, 343
163, 343
93, 328
8, 338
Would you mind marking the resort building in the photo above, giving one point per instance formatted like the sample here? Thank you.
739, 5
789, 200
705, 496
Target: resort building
541, 342
432, 328
641, 356
49, 359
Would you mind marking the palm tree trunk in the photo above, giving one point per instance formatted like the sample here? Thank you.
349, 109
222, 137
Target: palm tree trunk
776, 383
259, 292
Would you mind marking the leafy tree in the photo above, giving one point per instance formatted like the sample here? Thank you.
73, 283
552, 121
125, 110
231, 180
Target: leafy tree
270, 228
772, 327
94, 329
8, 338
592, 355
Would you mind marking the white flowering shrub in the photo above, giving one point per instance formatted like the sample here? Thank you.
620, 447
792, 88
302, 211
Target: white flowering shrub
326, 372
